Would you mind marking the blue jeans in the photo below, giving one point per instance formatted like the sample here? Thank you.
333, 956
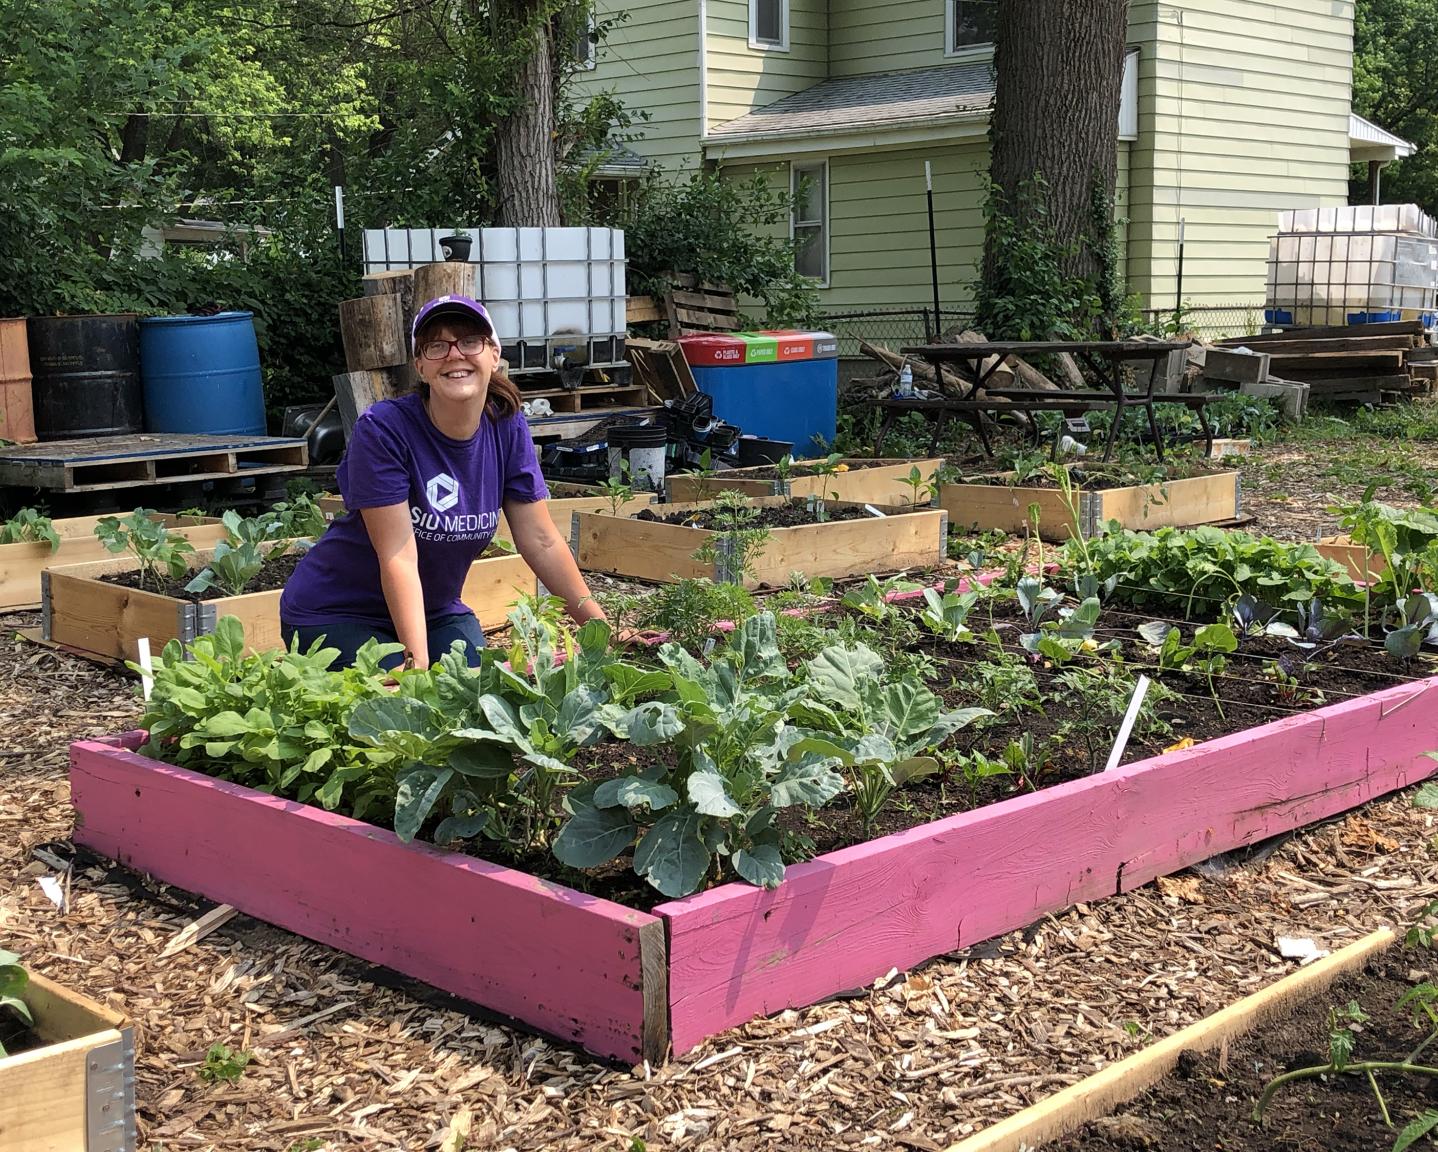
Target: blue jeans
349, 637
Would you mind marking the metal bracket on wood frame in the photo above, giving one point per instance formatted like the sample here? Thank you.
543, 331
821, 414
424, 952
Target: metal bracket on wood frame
1237, 493
1090, 506
110, 1095
574, 537
46, 611
943, 535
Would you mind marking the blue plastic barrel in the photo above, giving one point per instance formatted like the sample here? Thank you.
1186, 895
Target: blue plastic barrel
202, 374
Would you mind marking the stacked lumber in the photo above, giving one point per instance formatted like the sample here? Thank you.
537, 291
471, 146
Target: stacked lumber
1359, 363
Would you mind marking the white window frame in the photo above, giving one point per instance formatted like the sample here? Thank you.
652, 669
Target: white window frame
1128, 97
766, 45
963, 51
589, 61
795, 170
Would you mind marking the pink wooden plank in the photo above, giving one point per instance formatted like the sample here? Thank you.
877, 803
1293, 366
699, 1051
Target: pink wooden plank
843, 919
565, 963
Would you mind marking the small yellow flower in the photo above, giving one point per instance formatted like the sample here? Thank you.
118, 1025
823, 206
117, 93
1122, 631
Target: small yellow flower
842, 468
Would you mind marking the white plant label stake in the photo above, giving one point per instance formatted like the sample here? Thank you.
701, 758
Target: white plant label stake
872, 511
1140, 690
147, 681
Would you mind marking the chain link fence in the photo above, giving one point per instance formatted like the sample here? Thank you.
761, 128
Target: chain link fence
895, 328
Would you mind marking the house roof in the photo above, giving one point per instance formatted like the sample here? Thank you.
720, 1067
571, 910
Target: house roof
884, 100
1367, 141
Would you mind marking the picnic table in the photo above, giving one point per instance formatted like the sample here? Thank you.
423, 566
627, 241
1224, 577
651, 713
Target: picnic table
1106, 359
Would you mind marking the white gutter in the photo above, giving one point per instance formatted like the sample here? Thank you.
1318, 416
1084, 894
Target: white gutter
703, 72
849, 137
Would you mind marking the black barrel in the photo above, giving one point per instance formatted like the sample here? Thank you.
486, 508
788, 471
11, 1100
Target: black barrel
86, 372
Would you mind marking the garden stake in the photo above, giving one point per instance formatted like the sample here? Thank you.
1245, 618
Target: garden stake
1140, 690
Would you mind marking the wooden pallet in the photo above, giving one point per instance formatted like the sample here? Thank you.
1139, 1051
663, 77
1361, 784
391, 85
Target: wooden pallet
590, 398
660, 366
100, 463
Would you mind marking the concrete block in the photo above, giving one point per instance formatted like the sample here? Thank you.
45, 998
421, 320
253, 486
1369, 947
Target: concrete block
1235, 367
1293, 394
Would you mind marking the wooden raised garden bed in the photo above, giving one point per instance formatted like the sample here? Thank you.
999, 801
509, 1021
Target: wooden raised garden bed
626, 984
864, 482
653, 550
1174, 503
565, 501
89, 615
77, 1089
21, 564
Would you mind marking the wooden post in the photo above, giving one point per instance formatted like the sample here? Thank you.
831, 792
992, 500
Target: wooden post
357, 391
451, 278
398, 282
372, 328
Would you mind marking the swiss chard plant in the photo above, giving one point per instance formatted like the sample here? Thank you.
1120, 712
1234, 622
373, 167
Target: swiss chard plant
28, 526
155, 548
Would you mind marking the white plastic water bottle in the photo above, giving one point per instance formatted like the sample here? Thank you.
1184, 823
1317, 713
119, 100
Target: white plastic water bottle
1069, 444
906, 381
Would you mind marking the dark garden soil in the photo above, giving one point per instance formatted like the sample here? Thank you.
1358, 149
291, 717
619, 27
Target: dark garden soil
16, 1036
1207, 1104
272, 578
849, 464
792, 515
1249, 698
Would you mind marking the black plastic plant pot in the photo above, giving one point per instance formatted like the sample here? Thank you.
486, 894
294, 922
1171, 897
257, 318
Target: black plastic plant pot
455, 247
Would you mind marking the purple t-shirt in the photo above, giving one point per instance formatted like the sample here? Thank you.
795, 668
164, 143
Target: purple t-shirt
455, 490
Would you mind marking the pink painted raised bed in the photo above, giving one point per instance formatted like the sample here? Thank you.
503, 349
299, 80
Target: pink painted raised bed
603, 976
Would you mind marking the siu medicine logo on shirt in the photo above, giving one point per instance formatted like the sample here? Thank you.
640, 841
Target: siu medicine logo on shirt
442, 493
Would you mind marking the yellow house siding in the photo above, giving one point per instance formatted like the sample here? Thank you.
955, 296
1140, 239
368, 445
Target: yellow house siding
1243, 112
868, 36
651, 62
742, 78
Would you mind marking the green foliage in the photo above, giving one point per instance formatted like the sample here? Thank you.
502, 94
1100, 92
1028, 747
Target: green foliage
1394, 42
233, 567
13, 979
29, 526
1200, 570
224, 1063
149, 541
946, 613
1026, 292
737, 542
691, 610
722, 230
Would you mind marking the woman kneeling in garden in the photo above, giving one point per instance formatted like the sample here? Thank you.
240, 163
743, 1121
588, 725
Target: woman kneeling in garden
424, 479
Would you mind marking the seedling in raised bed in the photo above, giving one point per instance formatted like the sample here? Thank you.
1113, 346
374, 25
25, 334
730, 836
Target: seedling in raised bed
232, 566
28, 526
921, 491
737, 543
618, 490
976, 768
829, 466
1036, 600
1252, 618
1288, 689
1416, 624
146, 538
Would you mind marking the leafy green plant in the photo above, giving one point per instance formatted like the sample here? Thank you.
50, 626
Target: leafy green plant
691, 610
232, 566
825, 469
298, 518
1007, 686
224, 1063
737, 541
946, 613
28, 526
1203, 569
874, 598
13, 981
618, 490
1415, 623
784, 470
1036, 600
155, 548
921, 491
976, 767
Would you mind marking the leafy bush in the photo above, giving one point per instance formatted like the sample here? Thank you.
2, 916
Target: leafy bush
155, 548
28, 526
712, 227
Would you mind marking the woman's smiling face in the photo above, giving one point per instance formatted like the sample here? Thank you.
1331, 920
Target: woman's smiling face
459, 377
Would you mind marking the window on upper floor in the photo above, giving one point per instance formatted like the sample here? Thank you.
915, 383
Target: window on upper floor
584, 39
969, 24
811, 219
769, 24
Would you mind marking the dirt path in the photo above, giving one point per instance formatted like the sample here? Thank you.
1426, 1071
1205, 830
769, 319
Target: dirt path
340, 1060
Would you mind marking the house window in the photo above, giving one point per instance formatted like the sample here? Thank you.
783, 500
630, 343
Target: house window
970, 23
769, 24
811, 220
584, 38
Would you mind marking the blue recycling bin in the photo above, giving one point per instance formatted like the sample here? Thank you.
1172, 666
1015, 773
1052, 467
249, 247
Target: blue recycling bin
780, 385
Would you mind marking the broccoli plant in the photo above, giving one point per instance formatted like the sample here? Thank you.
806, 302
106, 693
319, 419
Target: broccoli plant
155, 548
28, 526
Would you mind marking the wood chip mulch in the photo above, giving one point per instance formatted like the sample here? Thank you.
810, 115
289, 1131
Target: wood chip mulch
344, 1056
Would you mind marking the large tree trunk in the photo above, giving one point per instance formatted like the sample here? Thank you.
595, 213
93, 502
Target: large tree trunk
1059, 66
524, 140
